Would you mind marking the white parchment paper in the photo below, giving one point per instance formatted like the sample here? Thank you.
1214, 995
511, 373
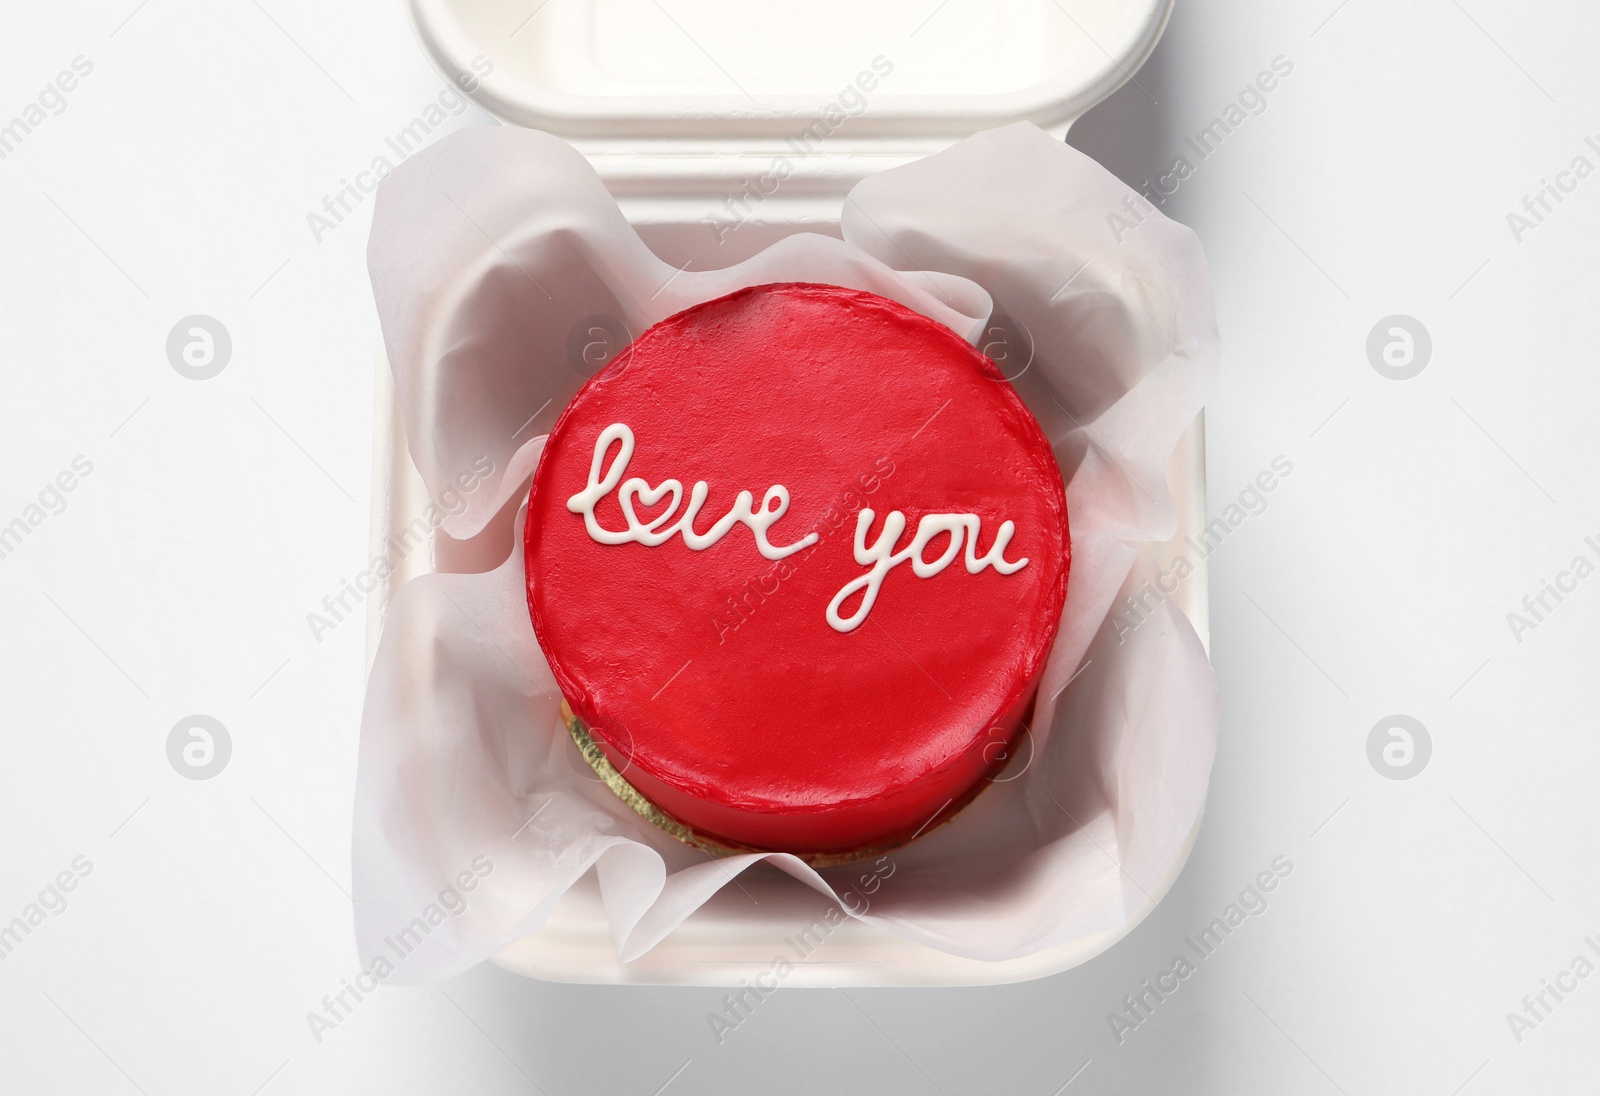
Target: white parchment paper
499, 264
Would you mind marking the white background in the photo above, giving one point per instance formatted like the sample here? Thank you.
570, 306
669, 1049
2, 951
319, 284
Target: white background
218, 514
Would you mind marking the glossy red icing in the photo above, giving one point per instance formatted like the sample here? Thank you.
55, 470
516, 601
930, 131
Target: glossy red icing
712, 679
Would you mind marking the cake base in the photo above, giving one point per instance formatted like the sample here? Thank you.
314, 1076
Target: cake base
716, 846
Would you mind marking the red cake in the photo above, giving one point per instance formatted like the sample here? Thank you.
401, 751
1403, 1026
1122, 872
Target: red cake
796, 557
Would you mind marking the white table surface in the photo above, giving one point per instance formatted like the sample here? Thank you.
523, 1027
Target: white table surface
208, 917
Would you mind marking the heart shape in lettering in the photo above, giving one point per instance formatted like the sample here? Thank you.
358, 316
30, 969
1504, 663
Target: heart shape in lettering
650, 496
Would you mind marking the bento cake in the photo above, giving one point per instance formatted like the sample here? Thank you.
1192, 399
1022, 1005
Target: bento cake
796, 557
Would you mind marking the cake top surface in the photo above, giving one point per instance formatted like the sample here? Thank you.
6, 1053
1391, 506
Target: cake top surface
872, 568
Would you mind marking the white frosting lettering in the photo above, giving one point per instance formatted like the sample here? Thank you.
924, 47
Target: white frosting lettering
881, 557
656, 531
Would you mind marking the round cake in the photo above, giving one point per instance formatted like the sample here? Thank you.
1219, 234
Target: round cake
796, 558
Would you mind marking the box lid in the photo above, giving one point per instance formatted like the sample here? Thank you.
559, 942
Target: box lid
691, 98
